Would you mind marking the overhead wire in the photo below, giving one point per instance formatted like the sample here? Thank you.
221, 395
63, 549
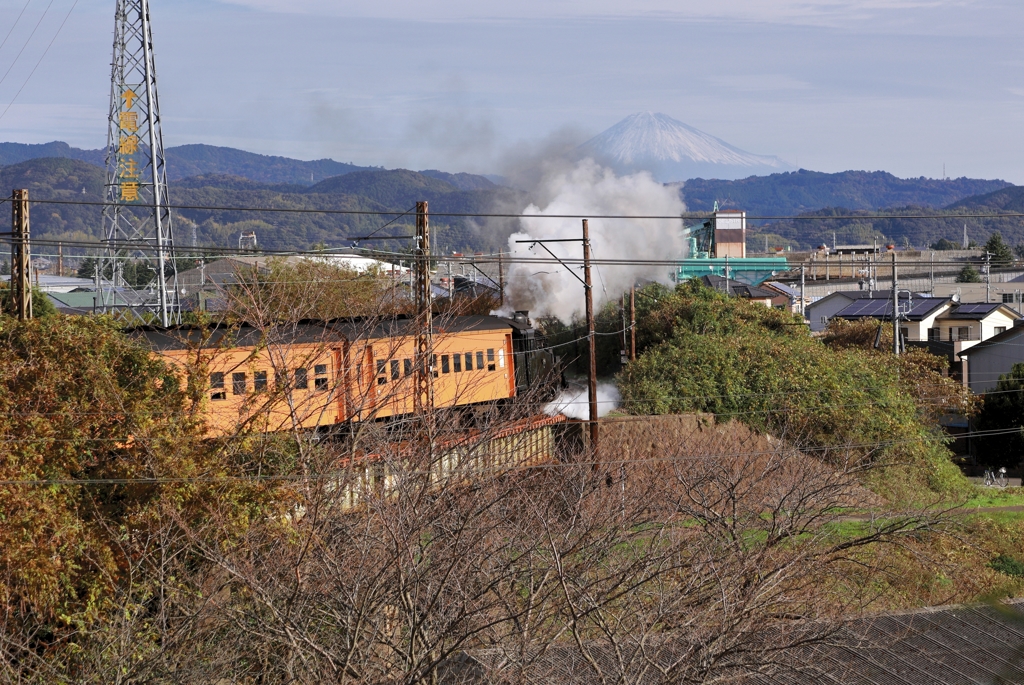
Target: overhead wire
40, 60
673, 217
15, 24
27, 41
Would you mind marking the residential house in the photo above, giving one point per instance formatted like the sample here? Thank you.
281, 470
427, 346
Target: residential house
989, 359
787, 297
918, 315
1009, 292
742, 290
821, 311
973, 322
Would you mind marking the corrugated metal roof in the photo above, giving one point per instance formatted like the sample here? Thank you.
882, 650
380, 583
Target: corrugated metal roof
938, 646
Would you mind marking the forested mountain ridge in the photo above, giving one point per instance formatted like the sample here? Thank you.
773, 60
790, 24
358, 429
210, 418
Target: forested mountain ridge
910, 226
186, 161
791, 193
383, 190
374, 191
1010, 199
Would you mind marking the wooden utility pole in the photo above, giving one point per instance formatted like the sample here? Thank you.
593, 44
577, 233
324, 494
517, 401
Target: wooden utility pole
632, 323
424, 399
591, 342
895, 310
21, 258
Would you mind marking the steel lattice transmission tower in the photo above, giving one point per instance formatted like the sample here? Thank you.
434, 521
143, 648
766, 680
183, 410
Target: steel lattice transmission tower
137, 275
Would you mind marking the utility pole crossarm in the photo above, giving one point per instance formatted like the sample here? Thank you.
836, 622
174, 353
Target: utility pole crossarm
484, 274
559, 259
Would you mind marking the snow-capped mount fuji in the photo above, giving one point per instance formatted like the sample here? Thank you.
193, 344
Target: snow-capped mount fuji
673, 151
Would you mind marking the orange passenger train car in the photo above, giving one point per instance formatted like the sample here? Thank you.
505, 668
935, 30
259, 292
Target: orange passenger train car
312, 374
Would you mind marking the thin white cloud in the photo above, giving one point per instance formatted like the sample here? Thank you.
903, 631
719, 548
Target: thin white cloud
801, 12
761, 83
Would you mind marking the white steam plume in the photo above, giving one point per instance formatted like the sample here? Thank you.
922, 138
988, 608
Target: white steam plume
574, 403
589, 189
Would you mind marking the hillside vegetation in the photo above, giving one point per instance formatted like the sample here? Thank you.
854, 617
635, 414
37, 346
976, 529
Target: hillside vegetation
921, 228
368, 190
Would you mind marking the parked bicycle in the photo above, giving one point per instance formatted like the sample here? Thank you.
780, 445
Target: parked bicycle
995, 479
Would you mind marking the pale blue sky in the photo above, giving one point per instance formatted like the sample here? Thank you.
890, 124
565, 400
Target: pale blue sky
903, 85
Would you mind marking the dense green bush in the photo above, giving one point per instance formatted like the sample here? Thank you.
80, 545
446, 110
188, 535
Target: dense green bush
704, 352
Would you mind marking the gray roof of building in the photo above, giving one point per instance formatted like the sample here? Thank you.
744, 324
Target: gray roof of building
939, 646
245, 335
879, 308
738, 289
850, 295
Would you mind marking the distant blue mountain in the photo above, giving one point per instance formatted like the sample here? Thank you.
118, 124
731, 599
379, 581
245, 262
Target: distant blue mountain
13, 153
184, 161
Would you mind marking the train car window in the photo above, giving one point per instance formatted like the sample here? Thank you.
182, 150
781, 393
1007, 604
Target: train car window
490, 360
469, 361
217, 387
302, 379
457, 359
501, 358
445, 366
238, 383
479, 361
382, 372
320, 377
396, 368
407, 364
259, 381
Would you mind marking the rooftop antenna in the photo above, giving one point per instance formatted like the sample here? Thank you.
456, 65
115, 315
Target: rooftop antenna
136, 219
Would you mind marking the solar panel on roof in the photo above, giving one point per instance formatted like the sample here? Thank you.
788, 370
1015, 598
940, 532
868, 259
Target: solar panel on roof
978, 308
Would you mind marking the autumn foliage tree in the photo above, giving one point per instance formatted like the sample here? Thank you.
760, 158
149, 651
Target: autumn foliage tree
100, 444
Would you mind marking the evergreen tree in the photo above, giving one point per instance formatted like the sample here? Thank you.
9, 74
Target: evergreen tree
1001, 253
945, 244
968, 274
